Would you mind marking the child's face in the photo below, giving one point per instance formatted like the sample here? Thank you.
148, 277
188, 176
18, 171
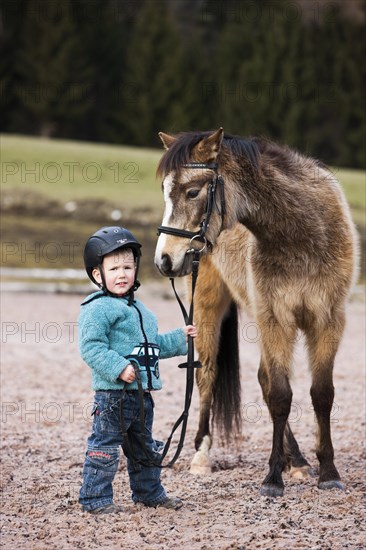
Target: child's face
119, 271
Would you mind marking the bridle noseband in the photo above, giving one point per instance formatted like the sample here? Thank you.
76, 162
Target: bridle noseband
200, 235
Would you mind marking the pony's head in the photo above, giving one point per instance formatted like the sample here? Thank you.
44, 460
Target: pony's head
189, 173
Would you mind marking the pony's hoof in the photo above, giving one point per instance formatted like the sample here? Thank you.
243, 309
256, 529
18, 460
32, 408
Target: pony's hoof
200, 469
301, 472
271, 490
332, 484
201, 464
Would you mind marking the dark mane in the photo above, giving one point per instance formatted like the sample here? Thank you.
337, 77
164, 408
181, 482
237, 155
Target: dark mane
181, 151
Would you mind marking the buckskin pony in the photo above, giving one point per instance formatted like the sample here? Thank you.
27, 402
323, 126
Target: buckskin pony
279, 242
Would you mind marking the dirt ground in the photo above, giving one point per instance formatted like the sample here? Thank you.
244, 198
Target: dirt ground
46, 401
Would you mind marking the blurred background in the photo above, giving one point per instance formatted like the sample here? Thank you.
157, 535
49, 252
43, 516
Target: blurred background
86, 85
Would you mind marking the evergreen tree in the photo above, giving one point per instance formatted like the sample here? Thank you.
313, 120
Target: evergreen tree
236, 50
104, 27
108, 70
300, 88
199, 97
199, 25
154, 79
11, 20
355, 123
338, 134
52, 73
254, 61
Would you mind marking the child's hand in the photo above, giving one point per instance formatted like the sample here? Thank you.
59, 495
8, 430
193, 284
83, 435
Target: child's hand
128, 374
190, 330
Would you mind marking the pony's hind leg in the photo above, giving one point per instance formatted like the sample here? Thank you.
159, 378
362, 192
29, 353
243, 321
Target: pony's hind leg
298, 465
323, 344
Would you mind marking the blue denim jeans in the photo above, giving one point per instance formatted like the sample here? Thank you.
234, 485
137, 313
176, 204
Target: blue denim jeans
102, 456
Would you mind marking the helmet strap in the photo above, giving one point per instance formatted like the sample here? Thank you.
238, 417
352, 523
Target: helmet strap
102, 285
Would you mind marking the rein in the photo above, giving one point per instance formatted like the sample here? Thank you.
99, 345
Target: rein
191, 363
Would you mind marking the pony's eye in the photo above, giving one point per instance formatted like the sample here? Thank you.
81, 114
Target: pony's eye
192, 193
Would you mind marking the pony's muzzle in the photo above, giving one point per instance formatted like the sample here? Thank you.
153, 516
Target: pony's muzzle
166, 265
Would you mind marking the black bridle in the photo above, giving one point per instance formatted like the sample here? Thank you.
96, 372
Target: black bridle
216, 182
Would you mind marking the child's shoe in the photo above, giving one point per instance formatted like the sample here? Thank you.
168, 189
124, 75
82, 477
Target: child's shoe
172, 503
109, 509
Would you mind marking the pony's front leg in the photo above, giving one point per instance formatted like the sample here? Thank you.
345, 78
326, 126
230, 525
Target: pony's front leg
212, 301
323, 343
277, 347
201, 463
298, 465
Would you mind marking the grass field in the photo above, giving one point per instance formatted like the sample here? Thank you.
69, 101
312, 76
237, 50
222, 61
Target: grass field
55, 193
68, 170
58, 191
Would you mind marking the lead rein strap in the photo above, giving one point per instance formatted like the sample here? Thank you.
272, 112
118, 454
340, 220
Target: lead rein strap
190, 365
188, 317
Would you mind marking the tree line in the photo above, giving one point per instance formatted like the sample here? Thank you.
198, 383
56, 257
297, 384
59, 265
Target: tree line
120, 71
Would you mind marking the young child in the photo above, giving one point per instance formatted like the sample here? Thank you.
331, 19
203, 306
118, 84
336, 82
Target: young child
118, 338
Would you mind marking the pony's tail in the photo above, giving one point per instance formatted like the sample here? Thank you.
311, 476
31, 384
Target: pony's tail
226, 406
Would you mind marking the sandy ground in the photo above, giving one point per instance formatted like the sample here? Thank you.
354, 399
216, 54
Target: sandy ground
46, 399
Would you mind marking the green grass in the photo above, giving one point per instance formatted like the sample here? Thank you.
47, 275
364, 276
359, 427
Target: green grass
354, 185
68, 170
63, 171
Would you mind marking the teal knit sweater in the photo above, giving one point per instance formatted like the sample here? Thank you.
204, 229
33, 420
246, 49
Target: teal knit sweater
113, 334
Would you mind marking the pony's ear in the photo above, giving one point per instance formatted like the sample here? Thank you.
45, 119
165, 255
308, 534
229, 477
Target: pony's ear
167, 139
208, 148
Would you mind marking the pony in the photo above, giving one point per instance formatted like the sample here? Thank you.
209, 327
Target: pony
280, 242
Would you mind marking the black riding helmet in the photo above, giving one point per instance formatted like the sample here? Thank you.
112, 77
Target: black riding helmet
104, 241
